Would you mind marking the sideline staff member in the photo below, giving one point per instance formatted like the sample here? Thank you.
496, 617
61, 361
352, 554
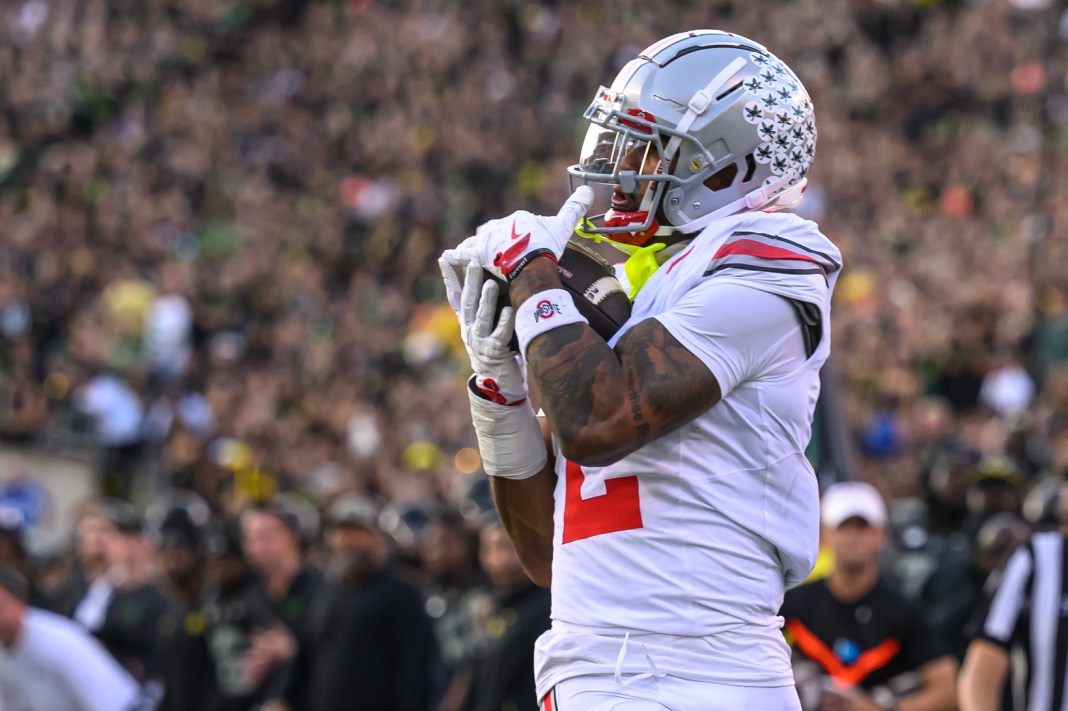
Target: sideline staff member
872, 648
1027, 613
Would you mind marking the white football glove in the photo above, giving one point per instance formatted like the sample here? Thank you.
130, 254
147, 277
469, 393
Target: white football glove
498, 374
509, 437
507, 245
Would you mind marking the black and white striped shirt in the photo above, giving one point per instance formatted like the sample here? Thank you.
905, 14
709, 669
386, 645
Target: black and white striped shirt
1027, 614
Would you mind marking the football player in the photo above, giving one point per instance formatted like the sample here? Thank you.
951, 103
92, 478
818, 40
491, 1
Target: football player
669, 502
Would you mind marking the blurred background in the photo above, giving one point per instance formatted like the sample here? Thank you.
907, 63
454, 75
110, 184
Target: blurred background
219, 221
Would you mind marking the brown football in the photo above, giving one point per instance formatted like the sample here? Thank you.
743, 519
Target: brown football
593, 284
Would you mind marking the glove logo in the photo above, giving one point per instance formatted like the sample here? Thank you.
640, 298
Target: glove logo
545, 309
507, 259
516, 235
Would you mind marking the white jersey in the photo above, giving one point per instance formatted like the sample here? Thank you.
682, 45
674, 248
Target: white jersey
686, 546
57, 666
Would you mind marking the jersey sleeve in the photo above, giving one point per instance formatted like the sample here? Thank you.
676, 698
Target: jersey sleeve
999, 614
739, 333
94, 679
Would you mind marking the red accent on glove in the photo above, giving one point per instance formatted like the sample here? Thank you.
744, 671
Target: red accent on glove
488, 388
506, 260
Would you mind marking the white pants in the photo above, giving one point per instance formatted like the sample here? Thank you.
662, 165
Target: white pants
665, 693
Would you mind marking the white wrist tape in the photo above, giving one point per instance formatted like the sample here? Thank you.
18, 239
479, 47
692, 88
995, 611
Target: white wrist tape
509, 438
543, 312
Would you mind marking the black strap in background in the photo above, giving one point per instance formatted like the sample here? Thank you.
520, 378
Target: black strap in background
811, 320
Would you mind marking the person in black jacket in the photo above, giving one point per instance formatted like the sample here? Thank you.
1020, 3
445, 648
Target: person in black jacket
376, 647
233, 610
128, 627
273, 541
858, 644
503, 677
454, 593
182, 649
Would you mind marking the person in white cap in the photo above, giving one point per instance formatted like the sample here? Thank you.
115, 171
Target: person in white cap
859, 645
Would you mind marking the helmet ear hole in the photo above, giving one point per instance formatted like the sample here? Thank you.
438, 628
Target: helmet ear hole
750, 167
722, 178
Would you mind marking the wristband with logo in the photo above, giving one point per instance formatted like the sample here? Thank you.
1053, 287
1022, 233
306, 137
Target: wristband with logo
543, 312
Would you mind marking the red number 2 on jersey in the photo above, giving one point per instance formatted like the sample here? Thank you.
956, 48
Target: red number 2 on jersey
615, 510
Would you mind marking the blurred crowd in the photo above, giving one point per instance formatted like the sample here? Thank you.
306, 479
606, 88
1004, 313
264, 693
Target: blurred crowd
272, 611
220, 221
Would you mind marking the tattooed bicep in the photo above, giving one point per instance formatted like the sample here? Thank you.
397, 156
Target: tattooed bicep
667, 385
604, 404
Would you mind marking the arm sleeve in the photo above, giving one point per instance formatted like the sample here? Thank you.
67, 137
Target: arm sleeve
997, 618
95, 679
738, 332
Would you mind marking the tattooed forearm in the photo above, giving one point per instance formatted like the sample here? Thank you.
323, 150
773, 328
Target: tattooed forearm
603, 404
635, 403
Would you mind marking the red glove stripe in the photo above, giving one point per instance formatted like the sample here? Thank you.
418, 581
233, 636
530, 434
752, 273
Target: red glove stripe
487, 389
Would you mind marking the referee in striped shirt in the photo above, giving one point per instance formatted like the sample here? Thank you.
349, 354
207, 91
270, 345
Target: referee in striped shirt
1022, 632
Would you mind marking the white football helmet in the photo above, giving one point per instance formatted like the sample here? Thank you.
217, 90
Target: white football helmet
713, 104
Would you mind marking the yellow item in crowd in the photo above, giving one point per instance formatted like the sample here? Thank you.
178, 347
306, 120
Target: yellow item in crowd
824, 565
125, 303
421, 456
254, 484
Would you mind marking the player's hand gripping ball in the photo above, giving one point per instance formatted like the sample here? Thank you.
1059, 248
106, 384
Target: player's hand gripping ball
507, 245
592, 282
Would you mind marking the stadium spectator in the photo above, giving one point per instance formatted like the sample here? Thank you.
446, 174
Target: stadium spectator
953, 590
48, 663
994, 488
87, 589
181, 645
234, 610
1025, 611
859, 644
504, 673
13, 553
454, 596
23, 407
117, 413
273, 544
375, 646
126, 621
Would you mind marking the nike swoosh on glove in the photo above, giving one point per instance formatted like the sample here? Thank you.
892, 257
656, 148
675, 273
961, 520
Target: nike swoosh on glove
507, 245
